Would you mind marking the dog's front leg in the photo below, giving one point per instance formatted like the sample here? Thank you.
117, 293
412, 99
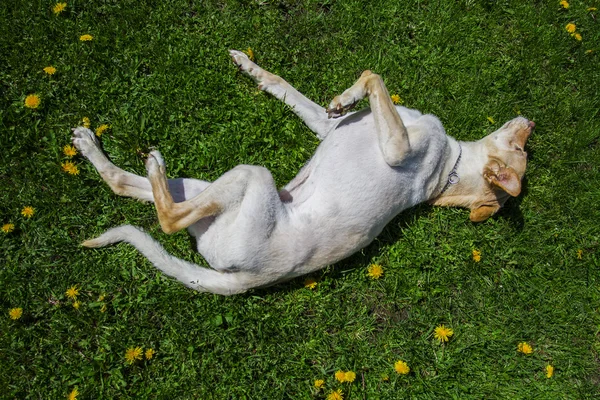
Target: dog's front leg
391, 132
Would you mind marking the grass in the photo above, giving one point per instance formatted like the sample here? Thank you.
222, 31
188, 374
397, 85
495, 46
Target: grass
158, 72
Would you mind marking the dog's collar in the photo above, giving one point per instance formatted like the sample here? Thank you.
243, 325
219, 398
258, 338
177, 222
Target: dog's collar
453, 177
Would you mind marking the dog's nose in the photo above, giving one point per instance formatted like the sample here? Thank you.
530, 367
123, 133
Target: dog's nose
532, 125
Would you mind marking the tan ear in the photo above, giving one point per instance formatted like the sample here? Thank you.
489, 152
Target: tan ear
505, 178
482, 213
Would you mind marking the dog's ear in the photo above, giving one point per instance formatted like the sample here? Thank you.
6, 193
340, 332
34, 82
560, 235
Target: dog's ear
483, 212
504, 178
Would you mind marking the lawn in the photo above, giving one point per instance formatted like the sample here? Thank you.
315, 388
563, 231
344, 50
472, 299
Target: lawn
158, 74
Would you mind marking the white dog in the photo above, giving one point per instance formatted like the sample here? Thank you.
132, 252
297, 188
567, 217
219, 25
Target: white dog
370, 166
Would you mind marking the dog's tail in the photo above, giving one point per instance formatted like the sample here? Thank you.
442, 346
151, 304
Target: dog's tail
191, 275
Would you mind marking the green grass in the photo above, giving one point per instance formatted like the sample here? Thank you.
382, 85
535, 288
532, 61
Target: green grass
158, 72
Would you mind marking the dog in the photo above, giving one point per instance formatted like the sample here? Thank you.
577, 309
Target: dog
370, 165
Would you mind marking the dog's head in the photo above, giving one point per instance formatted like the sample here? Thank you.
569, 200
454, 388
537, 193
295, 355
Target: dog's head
496, 171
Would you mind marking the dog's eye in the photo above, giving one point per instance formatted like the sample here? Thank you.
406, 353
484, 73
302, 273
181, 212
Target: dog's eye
518, 148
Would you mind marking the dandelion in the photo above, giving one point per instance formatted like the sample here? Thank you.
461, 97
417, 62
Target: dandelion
100, 130
149, 354
132, 354
73, 395
101, 297
76, 304
103, 308
571, 27
443, 333
50, 70
579, 254
476, 255
250, 54
385, 378
310, 283
589, 51
7, 228
396, 99
27, 211
86, 122
319, 383
15, 313
32, 101
524, 348
564, 4
349, 376
401, 367
59, 7
549, 371
577, 36
336, 395
491, 120
374, 271
86, 38
70, 168
340, 376
591, 9
72, 292
69, 151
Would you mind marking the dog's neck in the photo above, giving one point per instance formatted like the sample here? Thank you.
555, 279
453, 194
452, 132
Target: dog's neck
466, 172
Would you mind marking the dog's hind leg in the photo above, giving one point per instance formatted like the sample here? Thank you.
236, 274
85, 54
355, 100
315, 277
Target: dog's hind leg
391, 132
247, 192
125, 183
313, 115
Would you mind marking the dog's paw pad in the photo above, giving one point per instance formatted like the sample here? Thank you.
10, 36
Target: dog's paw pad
338, 107
84, 140
155, 162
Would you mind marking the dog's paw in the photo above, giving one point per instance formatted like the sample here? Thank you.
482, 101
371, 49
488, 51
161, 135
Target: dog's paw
155, 163
240, 59
340, 105
85, 141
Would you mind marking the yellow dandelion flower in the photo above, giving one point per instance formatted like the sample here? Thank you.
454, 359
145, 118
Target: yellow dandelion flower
549, 371
396, 99
76, 304
577, 36
564, 4
7, 228
319, 383
86, 38
132, 354
32, 101
349, 376
100, 130
401, 367
149, 354
59, 7
250, 54
571, 27
592, 9
73, 395
579, 254
50, 70
69, 151
86, 122
374, 271
443, 333
590, 51
336, 395
72, 292
70, 168
340, 376
524, 348
27, 211
491, 120
15, 313
385, 378
101, 297
476, 255
310, 283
